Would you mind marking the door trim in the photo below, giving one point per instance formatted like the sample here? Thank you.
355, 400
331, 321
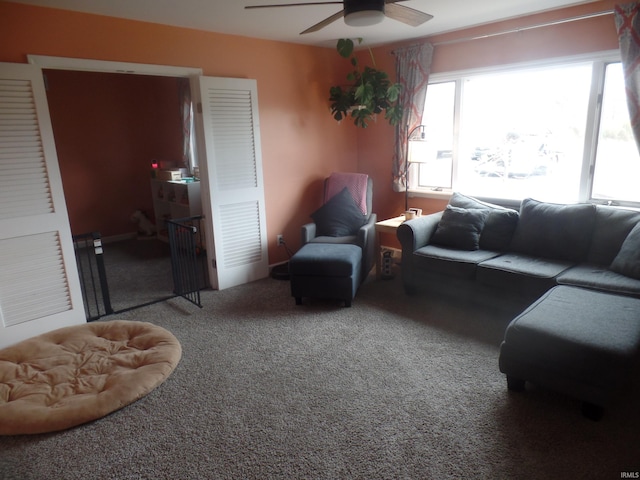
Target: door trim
89, 65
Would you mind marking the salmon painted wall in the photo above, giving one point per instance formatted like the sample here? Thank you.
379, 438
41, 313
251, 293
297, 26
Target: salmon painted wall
108, 128
301, 143
375, 145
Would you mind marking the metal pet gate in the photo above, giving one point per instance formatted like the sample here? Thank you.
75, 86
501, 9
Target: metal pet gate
188, 257
188, 266
93, 276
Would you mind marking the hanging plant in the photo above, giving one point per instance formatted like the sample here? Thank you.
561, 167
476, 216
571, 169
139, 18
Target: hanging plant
369, 93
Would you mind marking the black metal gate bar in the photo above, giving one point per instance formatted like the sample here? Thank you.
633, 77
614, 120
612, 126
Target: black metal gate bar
93, 277
186, 246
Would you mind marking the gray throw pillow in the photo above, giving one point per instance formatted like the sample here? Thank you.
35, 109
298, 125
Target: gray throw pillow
460, 228
627, 262
339, 217
499, 225
556, 231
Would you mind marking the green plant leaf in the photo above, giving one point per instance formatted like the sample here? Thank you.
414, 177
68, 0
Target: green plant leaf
394, 114
345, 47
393, 92
369, 93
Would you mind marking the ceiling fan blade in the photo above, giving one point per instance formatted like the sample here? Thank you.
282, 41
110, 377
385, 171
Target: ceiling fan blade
249, 7
406, 15
324, 22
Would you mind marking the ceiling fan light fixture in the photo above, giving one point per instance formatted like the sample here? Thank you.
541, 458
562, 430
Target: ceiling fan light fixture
363, 13
364, 18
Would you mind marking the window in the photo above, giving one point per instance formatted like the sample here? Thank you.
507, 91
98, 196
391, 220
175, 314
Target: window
435, 154
531, 131
617, 167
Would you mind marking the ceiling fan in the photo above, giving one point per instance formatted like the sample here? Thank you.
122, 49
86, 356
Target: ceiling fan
361, 13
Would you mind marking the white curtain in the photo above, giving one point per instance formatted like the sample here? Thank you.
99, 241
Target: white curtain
186, 113
413, 65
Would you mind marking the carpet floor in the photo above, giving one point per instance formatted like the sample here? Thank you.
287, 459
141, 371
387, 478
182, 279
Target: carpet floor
394, 387
138, 272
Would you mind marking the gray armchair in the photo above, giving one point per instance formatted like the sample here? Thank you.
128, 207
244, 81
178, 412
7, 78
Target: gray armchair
364, 237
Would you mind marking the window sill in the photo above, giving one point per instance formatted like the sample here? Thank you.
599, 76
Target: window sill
429, 193
445, 194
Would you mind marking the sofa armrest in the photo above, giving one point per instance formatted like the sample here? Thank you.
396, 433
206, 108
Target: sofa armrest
367, 241
308, 233
417, 232
367, 231
412, 235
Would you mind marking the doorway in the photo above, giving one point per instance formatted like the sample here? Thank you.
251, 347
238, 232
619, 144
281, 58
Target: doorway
109, 128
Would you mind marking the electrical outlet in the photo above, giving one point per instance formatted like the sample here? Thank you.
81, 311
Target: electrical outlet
279, 240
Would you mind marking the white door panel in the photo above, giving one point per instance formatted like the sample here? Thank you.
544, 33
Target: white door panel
230, 162
39, 284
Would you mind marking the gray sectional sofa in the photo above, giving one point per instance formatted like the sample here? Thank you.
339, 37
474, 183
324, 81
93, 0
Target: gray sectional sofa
574, 269
485, 252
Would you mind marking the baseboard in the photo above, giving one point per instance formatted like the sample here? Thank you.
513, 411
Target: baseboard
119, 238
271, 265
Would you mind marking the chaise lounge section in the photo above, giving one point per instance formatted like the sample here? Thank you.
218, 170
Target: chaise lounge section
580, 342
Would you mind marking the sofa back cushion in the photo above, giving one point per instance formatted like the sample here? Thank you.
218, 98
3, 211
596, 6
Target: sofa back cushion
611, 228
499, 225
627, 261
558, 231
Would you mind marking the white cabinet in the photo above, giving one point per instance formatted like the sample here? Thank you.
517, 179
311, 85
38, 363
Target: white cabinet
173, 200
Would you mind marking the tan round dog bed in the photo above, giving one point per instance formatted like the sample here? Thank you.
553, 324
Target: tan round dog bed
77, 374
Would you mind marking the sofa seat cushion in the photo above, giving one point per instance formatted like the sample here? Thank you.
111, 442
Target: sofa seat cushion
523, 273
347, 239
450, 261
599, 278
578, 341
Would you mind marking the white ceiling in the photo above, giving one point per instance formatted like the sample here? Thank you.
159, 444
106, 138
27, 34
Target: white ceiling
285, 24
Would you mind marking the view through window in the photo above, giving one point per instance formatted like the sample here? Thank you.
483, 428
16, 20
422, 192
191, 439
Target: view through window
522, 133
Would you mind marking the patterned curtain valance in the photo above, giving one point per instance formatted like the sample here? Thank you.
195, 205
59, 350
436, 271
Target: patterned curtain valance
413, 65
627, 18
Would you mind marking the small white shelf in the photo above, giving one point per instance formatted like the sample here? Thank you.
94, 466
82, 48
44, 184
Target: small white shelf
174, 199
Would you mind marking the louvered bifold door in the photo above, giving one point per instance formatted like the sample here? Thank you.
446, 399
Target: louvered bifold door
39, 286
231, 163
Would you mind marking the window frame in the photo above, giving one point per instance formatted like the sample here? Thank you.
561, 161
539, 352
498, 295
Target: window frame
598, 61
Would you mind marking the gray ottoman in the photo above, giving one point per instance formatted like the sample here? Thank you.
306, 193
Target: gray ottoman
580, 342
326, 270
